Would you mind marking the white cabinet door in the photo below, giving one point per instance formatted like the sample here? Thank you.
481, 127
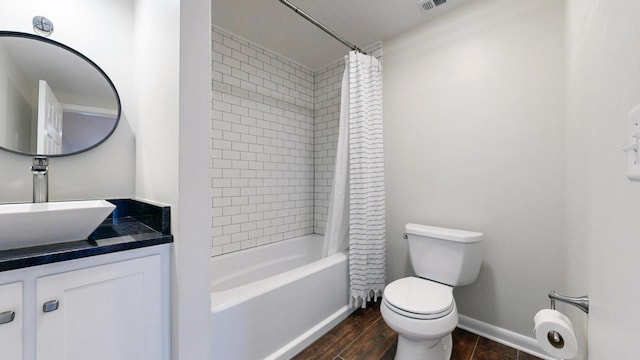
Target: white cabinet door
11, 321
103, 313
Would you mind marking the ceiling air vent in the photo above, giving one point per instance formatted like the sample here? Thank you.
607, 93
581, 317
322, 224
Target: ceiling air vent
427, 5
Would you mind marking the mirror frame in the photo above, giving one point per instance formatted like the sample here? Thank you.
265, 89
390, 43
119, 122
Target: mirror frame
4, 33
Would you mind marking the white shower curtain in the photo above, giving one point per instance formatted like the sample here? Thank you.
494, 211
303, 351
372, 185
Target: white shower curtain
336, 234
358, 186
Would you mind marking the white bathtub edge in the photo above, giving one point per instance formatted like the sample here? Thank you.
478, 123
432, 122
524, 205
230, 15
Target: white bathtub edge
225, 299
311, 335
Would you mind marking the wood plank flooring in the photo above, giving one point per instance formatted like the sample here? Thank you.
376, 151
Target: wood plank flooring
365, 336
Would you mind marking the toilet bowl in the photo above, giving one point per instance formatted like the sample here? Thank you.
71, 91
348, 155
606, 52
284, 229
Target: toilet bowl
424, 314
422, 309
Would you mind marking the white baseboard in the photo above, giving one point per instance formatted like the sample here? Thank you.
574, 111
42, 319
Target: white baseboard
503, 336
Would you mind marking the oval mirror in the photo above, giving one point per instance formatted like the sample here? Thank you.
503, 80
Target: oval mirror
54, 101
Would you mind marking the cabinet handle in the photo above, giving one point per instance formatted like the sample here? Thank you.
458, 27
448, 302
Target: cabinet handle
7, 317
50, 306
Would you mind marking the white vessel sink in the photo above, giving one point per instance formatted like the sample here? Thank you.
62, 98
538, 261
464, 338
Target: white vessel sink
24, 225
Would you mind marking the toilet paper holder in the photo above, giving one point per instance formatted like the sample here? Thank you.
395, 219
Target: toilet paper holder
581, 302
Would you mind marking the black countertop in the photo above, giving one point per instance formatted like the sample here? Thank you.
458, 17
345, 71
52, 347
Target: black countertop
133, 224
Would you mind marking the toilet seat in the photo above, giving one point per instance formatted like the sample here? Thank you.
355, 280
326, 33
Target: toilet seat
418, 298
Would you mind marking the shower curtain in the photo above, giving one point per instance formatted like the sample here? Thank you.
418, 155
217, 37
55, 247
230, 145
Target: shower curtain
356, 211
336, 234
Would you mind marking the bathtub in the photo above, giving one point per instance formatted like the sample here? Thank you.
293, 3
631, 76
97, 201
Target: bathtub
272, 301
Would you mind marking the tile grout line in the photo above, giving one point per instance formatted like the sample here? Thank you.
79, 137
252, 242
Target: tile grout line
474, 347
391, 345
357, 337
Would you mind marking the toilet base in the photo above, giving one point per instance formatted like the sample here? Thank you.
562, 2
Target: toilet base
409, 349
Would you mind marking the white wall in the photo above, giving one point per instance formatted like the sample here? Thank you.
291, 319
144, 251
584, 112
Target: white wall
158, 55
15, 104
602, 229
173, 84
157, 71
474, 139
108, 170
193, 247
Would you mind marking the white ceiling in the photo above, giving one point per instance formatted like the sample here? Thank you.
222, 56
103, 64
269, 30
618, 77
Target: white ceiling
362, 22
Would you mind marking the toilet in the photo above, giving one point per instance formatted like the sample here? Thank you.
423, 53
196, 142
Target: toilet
422, 309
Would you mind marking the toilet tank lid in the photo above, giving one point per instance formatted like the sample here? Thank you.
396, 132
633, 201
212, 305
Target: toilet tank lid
443, 233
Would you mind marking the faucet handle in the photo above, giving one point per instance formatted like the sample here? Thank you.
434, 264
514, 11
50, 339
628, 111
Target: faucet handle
40, 164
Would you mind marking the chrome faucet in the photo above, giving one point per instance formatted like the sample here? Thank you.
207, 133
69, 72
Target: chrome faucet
40, 170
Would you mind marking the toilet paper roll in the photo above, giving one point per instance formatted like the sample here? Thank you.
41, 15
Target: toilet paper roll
561, 344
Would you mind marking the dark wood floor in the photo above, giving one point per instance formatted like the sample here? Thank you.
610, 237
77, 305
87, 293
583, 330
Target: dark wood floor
365, 336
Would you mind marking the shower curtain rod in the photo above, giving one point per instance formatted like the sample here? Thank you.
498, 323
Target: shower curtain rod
320, 25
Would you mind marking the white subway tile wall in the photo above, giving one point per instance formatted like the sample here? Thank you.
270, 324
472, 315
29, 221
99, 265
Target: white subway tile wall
274, 130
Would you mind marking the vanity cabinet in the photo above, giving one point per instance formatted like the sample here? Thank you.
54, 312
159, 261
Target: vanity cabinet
113, 306
105, 312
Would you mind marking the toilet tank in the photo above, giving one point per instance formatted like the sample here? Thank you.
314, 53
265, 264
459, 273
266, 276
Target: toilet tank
444, 255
